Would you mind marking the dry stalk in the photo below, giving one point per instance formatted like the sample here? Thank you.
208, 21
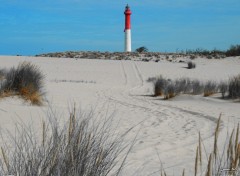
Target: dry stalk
216, 137
236, 140
200, 148
165, 173
79, 138
72, 156
88, 142
5, 159
55, 155
209, 169
73, 118
237, 155
183, 173
229, 150
70, 128
196, 162
43, 133
99, 157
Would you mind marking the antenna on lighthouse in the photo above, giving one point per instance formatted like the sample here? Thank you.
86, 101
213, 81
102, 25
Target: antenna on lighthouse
127, 29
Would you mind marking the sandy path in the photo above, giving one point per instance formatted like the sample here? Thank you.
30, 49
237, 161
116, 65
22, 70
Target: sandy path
165, 129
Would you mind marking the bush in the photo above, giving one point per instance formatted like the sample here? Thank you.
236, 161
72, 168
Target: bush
234, 87
81, 147
191, 65
210, 88
182, 85
169, 91
2, 74
26, 80
142, 49
193, 57
171, 88
159, 86
223, 87
2, 77
197, 87
233, 51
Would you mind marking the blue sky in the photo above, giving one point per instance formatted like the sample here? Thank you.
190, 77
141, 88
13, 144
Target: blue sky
41, 26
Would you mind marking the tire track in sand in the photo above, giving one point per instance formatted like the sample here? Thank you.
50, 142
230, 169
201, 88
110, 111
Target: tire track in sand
155, 111
124, 74
162, 125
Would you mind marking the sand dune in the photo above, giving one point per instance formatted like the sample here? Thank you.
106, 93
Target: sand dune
168, 129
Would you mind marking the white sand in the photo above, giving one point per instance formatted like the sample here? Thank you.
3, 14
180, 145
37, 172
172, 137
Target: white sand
168, 129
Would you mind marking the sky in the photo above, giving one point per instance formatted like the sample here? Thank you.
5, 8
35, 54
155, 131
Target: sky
30, 27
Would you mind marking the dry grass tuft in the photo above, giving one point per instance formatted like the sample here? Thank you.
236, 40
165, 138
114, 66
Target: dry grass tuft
210, 88
234, 87
170, 88
26, 81
83, 146
219, 163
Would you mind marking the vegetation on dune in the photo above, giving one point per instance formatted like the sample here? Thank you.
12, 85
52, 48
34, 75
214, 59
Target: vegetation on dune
223, 88
83, 146
234, 50
191, 65
234, 87
26, 81
224, 160
141, 49
142, 53
206, 53
210, 88
170, 88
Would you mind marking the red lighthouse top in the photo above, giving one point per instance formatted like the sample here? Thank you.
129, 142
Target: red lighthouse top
127, 17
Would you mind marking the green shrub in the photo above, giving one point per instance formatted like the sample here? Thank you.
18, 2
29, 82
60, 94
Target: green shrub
142, 49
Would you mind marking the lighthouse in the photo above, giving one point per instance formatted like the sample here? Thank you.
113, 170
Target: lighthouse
127, 29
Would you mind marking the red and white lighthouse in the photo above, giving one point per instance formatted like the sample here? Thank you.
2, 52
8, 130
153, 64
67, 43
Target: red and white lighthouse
127, 29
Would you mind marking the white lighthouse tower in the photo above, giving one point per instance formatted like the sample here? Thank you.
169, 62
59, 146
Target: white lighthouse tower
127, 30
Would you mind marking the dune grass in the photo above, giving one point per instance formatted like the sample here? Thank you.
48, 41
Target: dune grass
86, 146
83, 146
225, 161
170, 88
234, 87
220, 161
25, 81
210, 88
